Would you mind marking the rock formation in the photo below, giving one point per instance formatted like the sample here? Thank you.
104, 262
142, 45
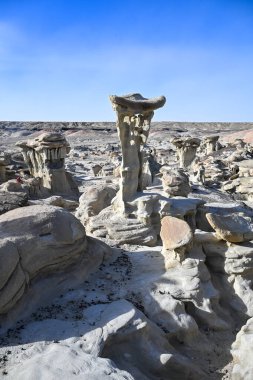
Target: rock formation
242, 351
134, 213
11, 200
134, 114
241, 182
233, 228
4, 161
186, 150
168, 298
37, 242
210, 144
45, 157
175, 182
93, 200
176, 236
113, 346
3, 164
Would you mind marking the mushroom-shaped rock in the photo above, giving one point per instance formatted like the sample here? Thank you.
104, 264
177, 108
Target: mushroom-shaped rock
45, 157
210, 143
176, 236
134, 114
186, 149
233, 228
136, 103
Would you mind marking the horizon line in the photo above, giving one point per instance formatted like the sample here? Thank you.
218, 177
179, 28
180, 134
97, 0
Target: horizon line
114, 121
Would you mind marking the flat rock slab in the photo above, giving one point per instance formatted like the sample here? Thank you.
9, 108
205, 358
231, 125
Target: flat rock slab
175, 233
245, 164
10, 201
233, 228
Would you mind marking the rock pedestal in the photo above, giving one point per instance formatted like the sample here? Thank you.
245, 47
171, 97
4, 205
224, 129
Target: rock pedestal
186, 150
134, 114
210, 144
134, 216
176, 236
45, 157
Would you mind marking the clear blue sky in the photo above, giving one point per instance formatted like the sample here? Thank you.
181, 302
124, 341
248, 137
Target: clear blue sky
60, 59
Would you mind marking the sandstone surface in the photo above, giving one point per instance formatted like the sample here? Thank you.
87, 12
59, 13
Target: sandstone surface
233, 228
175, 233
39, 240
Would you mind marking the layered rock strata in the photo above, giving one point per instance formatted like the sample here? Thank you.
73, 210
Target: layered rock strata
37, 242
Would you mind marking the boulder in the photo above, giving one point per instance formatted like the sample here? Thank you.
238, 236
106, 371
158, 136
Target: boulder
10, 201
233, 228
175, 182
93, 200
38, 241
176, 236
175, 233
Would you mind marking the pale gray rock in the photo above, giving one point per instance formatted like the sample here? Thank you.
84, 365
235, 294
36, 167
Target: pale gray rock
210, 144
134, 115
57, 362
176, 236
232, 267
121, 229
114, 341
222, 209
142, 224
242, 351
11, 200
245, 168
93, 200
106, 170
175, 182
233, 228
37, 240
186, 148
56, 200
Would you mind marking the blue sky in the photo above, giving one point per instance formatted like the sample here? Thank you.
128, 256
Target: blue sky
59, 59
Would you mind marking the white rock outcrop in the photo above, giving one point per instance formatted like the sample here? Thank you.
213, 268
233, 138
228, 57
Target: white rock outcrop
242, 351
108, 338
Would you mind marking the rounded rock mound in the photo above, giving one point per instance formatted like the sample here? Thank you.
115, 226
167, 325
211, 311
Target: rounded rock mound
36, 240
